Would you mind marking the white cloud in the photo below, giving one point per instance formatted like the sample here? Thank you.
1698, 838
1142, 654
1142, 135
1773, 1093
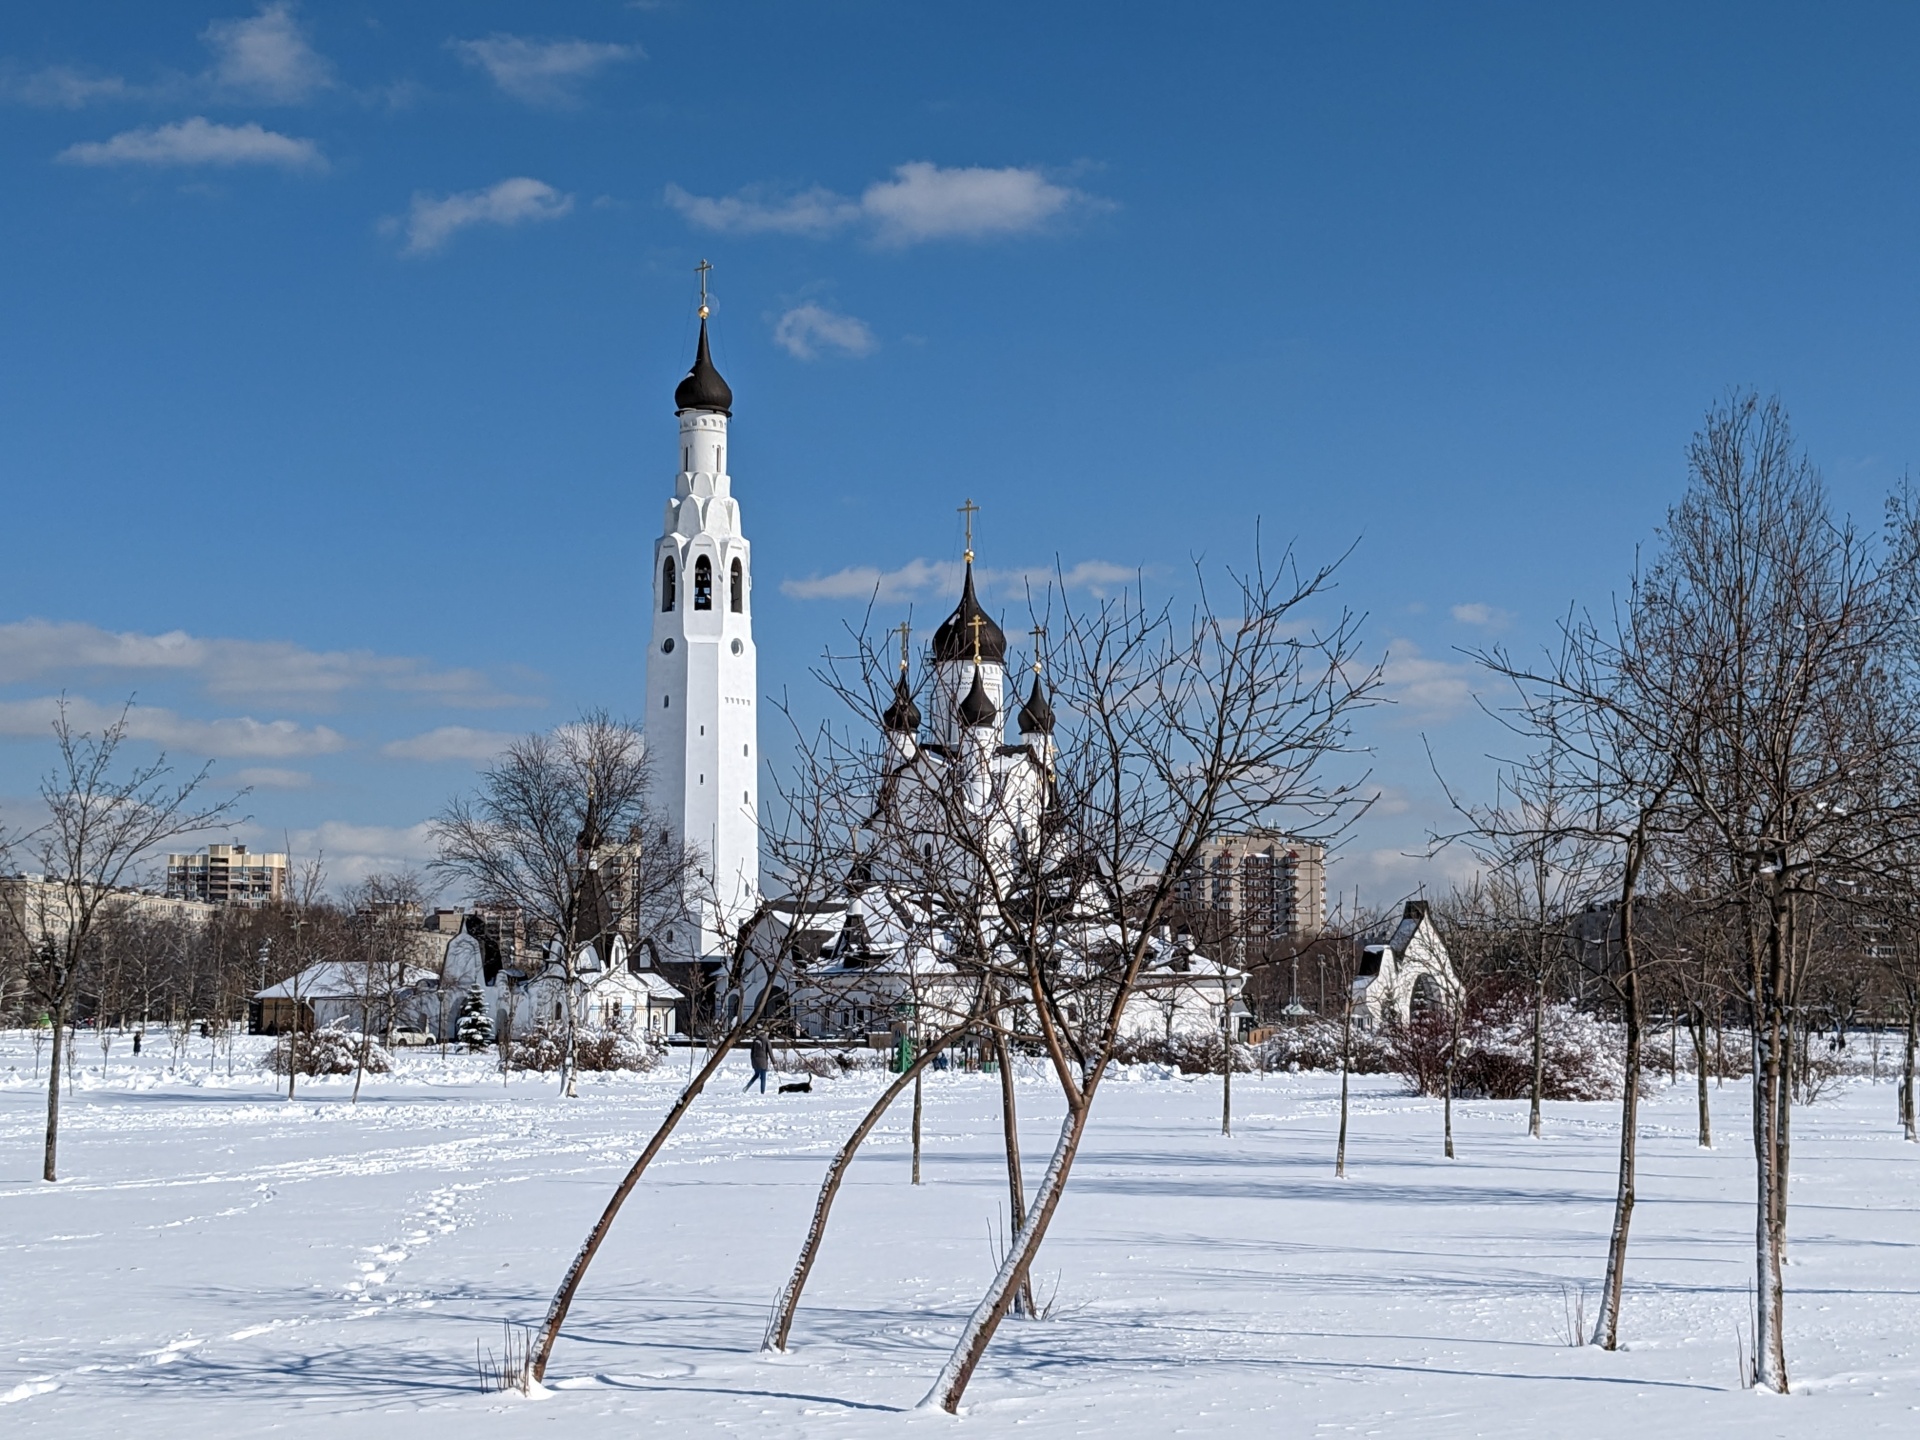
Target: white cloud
922, 201
449, 742
198, 141
62, 87
352, 852
542, 72
268, 777
925, 202
1478, 613
239, 737
266, 57
275, 670
432, 221
1425, 689
812, 212
941, 578
804, 330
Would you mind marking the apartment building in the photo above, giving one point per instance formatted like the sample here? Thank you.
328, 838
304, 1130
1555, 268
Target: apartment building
227, 875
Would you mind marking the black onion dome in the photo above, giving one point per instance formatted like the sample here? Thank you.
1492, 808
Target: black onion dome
954, 639
703, 389
1036, 716
976, 710
903, 716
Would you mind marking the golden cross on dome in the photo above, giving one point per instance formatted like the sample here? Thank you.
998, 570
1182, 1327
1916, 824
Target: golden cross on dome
969, 510
702, 270
1039, 633
905, 630
977, 621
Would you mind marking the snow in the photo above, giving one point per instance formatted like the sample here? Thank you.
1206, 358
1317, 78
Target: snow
221, 1261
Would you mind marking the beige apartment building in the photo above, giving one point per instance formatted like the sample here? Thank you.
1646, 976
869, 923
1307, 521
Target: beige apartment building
227, 875
1257, 888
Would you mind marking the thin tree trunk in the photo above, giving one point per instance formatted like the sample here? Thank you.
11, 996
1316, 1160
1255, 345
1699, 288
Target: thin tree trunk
781, 1325
50, 1167
1016, 1185
1606, 1328
1697, 1033
1771, 1080
916, 1120
1539, 1054
1346, 1065
576, 1272
1906, 1072
1021, 1248
1447, 1104
1226, 1058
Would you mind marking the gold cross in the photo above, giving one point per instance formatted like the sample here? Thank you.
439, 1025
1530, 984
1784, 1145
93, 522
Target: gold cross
1039, 633
701, 270
977, 622
905, 630
969, 510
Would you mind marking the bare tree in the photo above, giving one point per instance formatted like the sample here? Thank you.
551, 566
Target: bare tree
1177, 732
1543, 864
387, 914
763, 951
1747, 690
544, 817
105, 815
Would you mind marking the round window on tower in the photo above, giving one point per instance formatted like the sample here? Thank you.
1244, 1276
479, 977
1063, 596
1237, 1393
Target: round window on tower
738, 647
666, 646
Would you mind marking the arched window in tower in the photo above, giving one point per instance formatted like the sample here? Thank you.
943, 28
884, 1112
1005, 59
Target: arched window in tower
703, 583
667, 586
737, 589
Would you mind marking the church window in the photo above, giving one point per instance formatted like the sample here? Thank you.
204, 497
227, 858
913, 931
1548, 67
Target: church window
686, 457
703, 584
737, 590
666, 702
720, 460
666, 585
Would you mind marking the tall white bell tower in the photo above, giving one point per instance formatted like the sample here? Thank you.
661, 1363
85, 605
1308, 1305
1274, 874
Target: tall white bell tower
702, 688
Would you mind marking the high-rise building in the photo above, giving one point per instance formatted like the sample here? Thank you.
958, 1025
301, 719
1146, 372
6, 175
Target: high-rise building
702, 688
1257, 887
227, 875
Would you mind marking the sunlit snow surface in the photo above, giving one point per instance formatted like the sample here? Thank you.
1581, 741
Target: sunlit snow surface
220, 1262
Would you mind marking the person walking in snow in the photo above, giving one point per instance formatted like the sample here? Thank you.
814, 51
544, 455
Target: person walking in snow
760, 1055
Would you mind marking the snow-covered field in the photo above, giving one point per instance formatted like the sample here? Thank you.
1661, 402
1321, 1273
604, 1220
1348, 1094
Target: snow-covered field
221, 1262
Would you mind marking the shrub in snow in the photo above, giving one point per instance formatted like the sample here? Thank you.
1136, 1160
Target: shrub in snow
595, 1047
476, 1029
1315, 1045
323, 1052
1580, 1055
1189, 1054
813, 1062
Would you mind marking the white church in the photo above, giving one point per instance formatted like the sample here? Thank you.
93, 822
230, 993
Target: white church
878, 956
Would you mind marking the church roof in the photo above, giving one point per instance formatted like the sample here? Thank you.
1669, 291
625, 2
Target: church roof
592, 914
976, 710
1036, 716
902, 716
955, 637
703, 389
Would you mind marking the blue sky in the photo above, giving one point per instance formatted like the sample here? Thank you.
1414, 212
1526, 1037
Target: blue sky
337, 341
